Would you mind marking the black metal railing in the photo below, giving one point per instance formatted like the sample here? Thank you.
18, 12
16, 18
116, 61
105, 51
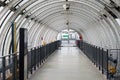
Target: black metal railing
36, 56
8, 67
100, 57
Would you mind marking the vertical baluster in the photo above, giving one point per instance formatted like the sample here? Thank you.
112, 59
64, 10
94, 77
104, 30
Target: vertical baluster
102, 61
3, 68
107, 65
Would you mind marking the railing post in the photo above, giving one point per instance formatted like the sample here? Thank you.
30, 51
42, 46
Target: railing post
45, 52
34, 58
31, 61
40, 55
3, 68
102, 62
107, 66
99, 57
14, 67
37, 55
96, 56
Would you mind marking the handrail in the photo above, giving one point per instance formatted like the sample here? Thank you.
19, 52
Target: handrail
9, 55
36, 57
114, 49
101, 58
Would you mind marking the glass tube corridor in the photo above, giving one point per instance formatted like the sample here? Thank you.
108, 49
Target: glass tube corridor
59, 39
68, 63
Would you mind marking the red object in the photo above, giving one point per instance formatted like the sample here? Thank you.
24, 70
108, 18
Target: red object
81, 38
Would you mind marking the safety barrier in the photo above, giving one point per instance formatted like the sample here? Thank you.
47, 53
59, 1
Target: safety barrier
8, 67
36, 56
100, 57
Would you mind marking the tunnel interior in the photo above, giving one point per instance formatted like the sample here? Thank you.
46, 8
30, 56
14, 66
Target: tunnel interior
96, 23
93, 19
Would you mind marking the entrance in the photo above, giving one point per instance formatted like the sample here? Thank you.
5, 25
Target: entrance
68, 38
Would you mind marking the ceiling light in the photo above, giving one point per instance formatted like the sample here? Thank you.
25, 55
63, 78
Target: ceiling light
66, 6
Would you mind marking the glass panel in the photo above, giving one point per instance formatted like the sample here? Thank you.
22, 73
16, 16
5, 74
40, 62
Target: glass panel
20, 3
23, 2
17, 18
118, 21
1, 8
4, 17
22, 22
8, 17
34, 4
6, 1
2, 0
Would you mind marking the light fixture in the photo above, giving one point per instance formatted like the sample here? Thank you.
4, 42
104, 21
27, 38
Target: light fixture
66, 6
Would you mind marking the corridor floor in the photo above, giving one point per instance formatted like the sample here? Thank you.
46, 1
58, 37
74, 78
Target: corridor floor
68, 63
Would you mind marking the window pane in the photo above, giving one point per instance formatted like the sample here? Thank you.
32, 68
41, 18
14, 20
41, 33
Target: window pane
34, 4
6, 20
17, 18
1, 8
118, 20
23, 2
4, 17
